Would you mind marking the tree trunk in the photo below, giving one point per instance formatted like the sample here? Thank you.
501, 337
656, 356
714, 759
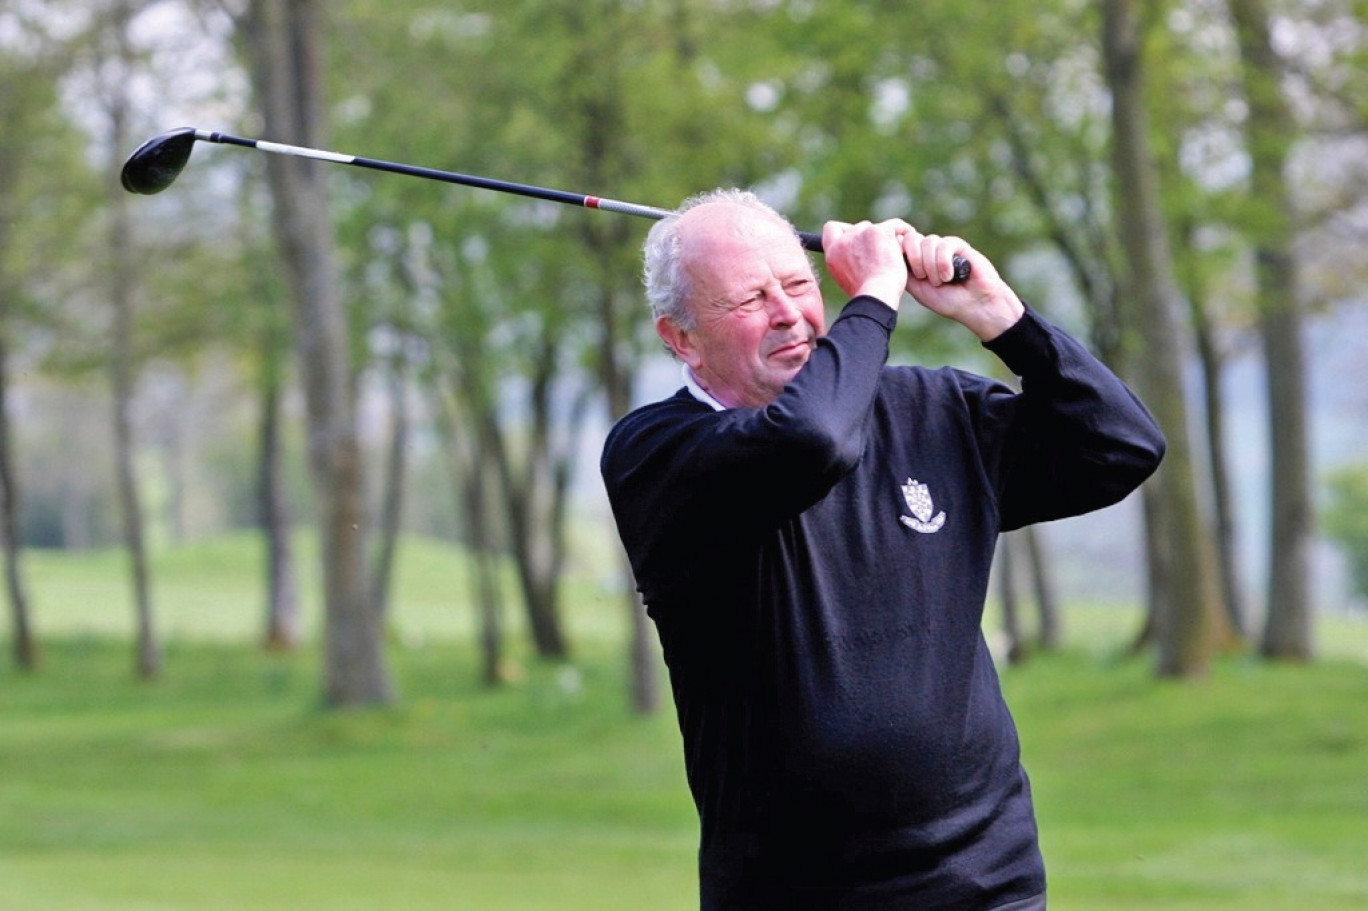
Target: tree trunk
392, 492
1007, 594
23, 642
147, 651
1085, 253
474, 475
283, 622
283, 626
597, 117
1223, 497
1288, 628
1269, 130
1047, 602
1188, 633
485, 577
535, 493
643, 654
286, 40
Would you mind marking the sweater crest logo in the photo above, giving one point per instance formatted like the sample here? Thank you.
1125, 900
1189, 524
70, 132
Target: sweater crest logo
924, 517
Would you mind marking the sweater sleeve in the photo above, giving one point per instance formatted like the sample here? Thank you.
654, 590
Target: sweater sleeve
675, 468
783, 454
1075, 438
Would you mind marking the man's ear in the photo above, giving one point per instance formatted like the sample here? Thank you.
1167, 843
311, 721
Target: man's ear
677, 340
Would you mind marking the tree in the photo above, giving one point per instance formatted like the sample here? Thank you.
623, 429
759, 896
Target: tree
1270, 130
532, 451
600, 117
116, 58
1196, 141
1189, 626
493, 314
474, 483
284, 38
28, 101
540, 308
270, 338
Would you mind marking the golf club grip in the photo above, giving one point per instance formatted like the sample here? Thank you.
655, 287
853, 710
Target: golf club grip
813, 242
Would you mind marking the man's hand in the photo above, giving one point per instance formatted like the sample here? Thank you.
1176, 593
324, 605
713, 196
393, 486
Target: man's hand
867, 258
984, 304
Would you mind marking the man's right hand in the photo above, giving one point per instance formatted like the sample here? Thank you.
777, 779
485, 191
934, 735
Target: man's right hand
867, 259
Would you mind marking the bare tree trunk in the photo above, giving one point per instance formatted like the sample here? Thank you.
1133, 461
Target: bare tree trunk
1011, 605
283, 627
392, 492
1188, 634
642, 650
1047, 602
1269, 130
25, 646
1086, 253
485, 577
474, 476
1158, 568
285, 37
526, 494
147, 652
1223, 498
535, 494
615, 377
597, 116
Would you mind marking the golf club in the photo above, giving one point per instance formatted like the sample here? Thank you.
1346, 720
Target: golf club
157, 163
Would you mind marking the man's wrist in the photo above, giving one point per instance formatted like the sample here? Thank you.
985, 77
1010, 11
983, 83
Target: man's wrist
991, 322
887, 291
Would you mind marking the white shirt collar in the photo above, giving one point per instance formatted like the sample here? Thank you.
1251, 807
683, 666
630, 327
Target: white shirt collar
697, 391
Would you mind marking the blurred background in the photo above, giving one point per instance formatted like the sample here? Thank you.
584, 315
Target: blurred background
309, 568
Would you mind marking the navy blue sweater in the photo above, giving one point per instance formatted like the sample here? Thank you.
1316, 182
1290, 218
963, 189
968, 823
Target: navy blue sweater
817, 570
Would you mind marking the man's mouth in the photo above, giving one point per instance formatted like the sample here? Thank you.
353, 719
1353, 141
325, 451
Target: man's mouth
796, 348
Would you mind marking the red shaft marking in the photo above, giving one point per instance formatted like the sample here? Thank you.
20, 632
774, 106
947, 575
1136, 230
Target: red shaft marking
591, 202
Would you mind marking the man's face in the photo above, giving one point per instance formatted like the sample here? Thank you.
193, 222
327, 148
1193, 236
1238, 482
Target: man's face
756, 303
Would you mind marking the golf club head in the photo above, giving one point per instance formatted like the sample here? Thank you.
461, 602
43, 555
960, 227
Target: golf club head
157, 163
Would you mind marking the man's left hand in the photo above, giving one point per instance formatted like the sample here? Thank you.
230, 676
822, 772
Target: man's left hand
984, 304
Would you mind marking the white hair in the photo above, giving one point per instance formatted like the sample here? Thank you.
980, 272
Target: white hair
667, 285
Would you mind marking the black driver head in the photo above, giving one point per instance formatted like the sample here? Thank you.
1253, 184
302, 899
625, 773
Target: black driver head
157, 163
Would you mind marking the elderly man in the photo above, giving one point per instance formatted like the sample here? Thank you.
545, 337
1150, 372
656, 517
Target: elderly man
812, 531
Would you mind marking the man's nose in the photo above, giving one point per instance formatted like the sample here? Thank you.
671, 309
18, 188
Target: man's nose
783, 310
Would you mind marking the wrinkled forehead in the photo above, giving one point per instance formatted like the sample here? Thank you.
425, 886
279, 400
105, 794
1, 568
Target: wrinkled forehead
726, 223
718, 241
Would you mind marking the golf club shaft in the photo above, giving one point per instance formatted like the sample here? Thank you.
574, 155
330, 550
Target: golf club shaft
809, 240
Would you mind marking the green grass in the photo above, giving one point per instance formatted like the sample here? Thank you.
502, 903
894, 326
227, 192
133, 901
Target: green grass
223, 785
1245, 790
214, 590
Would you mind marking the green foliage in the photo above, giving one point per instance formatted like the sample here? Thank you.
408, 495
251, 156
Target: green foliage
1345, 519
48, 193
988, 123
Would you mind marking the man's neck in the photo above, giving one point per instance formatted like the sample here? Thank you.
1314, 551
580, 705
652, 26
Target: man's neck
697, 391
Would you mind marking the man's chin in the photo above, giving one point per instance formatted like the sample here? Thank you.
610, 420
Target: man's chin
784, 375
